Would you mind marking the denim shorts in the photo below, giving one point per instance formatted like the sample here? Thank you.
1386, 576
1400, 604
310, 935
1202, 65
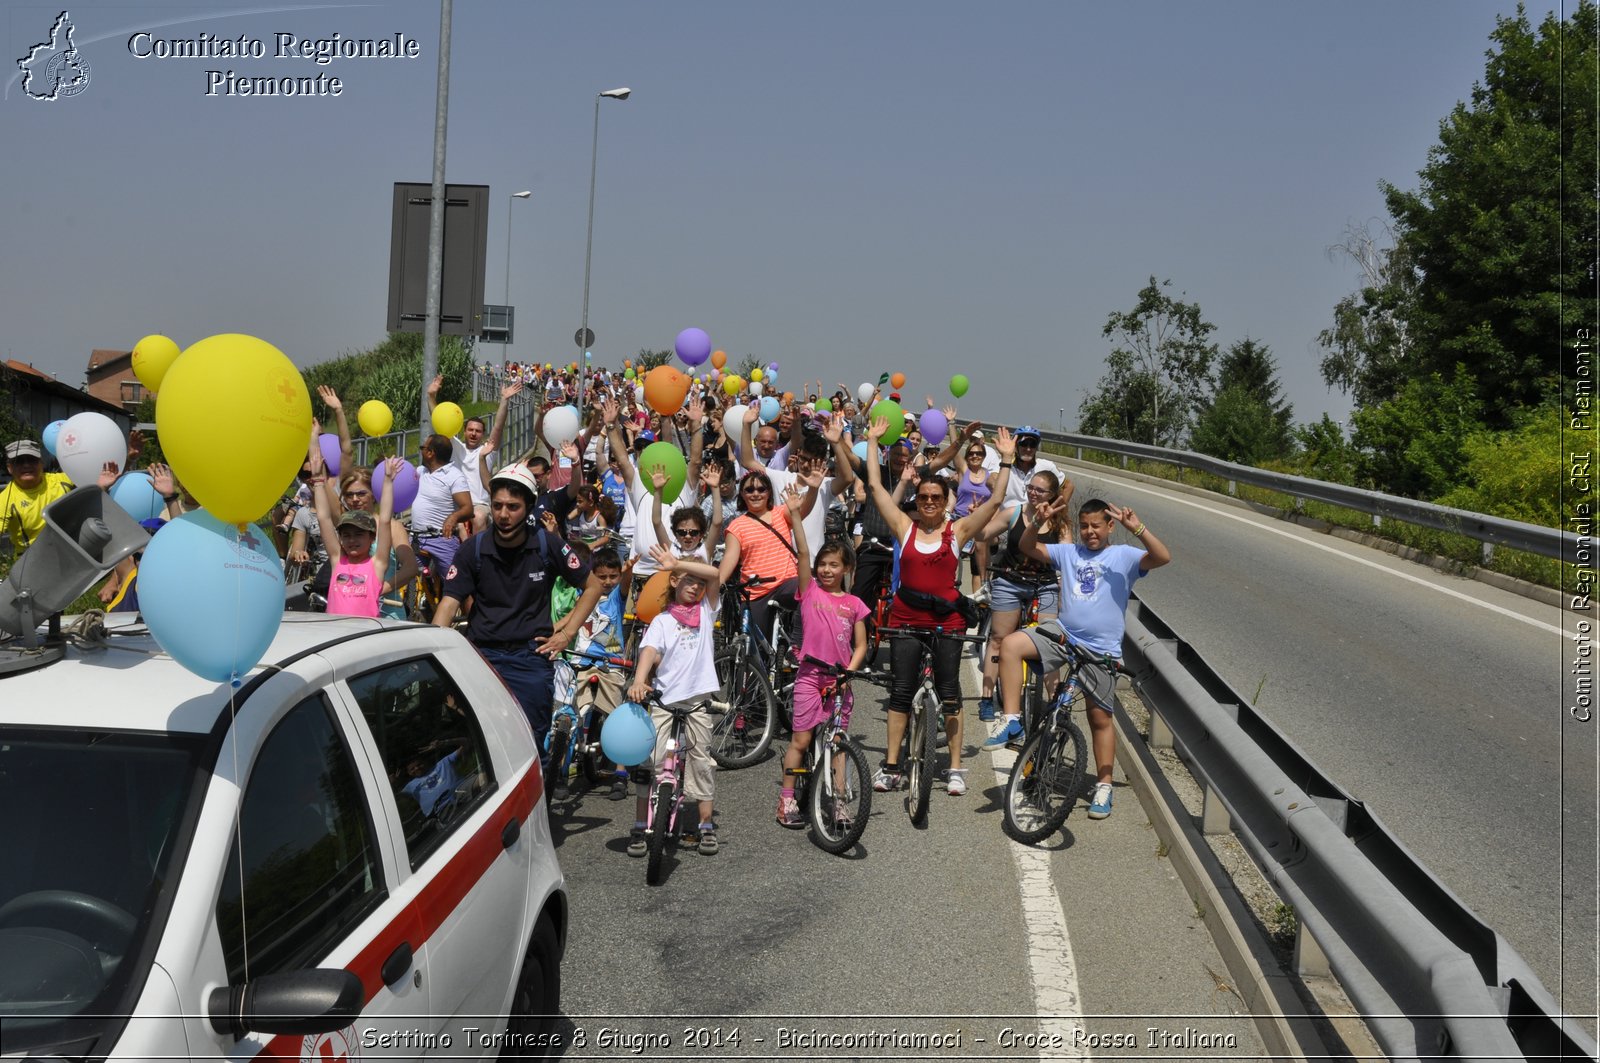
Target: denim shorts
1006, 596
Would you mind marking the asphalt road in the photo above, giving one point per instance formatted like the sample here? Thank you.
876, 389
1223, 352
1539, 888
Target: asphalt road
1439, 701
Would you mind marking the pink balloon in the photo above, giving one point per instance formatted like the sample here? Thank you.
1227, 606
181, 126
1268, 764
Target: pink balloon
934, 426
405, 485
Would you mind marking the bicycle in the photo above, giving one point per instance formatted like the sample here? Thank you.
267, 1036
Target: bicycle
1047, 779
833, 785
421, 596
574, 736
1032, 682
666, 790
752, 671
922, 732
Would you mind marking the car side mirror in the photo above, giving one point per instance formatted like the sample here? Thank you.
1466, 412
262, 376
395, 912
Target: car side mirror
294, 1002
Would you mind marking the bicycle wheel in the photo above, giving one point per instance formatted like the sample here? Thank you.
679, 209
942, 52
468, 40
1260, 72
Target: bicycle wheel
923, 739
1045, 782
559, 758
593, 760
839, 814
660, 827
743, 734
1031, 700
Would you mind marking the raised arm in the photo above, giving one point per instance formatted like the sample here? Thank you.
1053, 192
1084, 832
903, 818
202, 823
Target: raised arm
323, 508
391, 469
507, 393
666, 559
979, 517
892, 514
747, 450
1029, 545
697, 438
619, 445
711, 485
794, 500
658, 480
1156, 553
844, 460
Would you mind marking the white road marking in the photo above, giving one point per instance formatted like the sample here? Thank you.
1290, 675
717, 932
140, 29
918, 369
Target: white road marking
1225, 511
1051, 966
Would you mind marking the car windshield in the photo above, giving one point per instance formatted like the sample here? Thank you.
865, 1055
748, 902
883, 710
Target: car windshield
92, 823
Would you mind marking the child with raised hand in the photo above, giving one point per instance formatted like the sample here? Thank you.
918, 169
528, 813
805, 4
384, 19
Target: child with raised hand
833, 629
358, 546
691, 532
679, 650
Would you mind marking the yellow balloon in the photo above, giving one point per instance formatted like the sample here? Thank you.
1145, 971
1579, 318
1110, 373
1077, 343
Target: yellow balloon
732, 384
448, 418
234, 417
375, 417
152, 357
755, 374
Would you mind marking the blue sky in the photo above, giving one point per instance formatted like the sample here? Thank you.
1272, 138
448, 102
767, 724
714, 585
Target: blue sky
843, 187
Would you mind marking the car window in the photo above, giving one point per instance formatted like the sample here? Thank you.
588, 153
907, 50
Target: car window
308, 869
432, 749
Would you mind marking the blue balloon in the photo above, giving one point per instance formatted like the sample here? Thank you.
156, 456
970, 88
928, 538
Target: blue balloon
769, 409
211, 595
138, 496
860, 450
628, 736
51, 430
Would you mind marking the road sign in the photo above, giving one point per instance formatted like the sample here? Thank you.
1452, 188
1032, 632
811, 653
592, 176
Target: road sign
584, 338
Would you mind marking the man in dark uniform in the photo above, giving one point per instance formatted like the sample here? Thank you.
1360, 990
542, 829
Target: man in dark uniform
509, 570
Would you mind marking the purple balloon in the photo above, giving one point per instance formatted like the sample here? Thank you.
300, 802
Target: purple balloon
693, 346
330, 452
934, 426
405, 485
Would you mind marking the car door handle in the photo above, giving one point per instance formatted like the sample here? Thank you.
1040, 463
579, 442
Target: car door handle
511, 832
396, 966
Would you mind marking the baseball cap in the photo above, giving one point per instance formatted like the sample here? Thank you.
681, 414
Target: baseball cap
1026, 431
23, 448
357, 518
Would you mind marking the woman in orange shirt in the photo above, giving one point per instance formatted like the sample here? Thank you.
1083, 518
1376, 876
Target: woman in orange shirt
759, 544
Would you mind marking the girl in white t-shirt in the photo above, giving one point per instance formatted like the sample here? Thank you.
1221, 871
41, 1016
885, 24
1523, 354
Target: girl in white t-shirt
679, 648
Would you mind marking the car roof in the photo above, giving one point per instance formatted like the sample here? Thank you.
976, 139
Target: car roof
132, 684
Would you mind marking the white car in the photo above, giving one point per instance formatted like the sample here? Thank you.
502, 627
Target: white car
344, 856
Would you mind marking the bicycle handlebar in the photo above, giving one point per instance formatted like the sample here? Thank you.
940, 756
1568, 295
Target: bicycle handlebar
906, 632
578, 656
1026, 579
841, 672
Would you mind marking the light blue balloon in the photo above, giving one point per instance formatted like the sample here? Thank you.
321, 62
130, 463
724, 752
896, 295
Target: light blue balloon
860, 450
51, 430
212, 597
769, 409
628, 736
136, 494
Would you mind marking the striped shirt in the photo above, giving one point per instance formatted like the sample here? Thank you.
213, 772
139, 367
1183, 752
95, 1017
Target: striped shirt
762, 551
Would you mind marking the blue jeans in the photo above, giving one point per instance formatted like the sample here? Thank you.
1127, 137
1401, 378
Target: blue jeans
532, 678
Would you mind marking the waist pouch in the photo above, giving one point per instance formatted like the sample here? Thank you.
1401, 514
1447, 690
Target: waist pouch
939, 607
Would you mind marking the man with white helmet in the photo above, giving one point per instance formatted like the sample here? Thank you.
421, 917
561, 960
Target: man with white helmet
1028, 465
510, 570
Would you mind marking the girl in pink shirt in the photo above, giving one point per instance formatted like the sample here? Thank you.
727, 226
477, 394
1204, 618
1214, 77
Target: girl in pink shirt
832, 629
355, 586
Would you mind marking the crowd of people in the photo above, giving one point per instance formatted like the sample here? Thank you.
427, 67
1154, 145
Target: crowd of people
812, 505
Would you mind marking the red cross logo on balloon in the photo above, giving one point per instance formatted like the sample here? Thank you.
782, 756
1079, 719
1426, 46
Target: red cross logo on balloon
70, 439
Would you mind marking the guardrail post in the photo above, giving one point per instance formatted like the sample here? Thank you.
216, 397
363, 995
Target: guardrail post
1309, 959
1233, 488
1214, 817
1080, 453
1124, 461
1377, 521
1487, 554
1160, 733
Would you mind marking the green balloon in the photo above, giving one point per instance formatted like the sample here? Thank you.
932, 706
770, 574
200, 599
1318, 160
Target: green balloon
628, 374
959, 385
824, 406
671, 460
897, 420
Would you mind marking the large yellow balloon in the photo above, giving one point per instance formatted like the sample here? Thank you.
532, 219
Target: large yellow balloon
448, 418
732, 384
375, 417
234, 417
152, 357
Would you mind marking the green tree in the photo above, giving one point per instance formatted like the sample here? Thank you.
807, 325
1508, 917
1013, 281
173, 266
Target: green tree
1324, 453
12, 425
1247, 419
647, 360
747, 363
1516, 473
1127, 402
392, 373
1493, 248
1165, 346
1415, 443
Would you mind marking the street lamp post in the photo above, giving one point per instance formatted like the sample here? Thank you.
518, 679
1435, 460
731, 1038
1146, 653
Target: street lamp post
588, 252
505, 352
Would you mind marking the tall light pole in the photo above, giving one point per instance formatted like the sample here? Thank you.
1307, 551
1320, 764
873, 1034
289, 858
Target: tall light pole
505, 352
588, 252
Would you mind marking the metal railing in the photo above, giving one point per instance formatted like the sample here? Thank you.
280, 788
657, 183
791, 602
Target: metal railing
1429, 977
1490, 531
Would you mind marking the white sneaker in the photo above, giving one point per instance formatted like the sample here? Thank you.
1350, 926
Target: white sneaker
955, 782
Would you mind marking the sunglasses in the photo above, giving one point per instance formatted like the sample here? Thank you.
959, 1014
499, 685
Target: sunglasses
926, 499
356, 494
685, 533
755, 489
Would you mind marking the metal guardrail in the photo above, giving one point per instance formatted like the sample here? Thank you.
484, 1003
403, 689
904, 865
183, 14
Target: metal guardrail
1429, 977
1491, 531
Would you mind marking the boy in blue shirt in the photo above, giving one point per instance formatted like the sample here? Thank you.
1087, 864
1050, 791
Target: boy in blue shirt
1096, 580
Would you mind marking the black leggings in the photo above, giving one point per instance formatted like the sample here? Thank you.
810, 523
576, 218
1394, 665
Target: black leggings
905, 660
761, 609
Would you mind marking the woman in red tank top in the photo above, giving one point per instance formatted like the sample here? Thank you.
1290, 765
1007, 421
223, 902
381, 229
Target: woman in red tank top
930, 564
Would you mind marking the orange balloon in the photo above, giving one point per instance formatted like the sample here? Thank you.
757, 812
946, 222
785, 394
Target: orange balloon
897, 381
719, 359
665, 389
652, 597
788, 396
627, 363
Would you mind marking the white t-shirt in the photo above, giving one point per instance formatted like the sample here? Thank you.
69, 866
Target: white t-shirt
1017, 483
467, 461
436, 491
640, 501
688, 667
816, 522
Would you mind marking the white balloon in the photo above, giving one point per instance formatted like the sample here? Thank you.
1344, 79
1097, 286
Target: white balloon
756, 388
731, 422
864, 392
561, 425
86, 442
